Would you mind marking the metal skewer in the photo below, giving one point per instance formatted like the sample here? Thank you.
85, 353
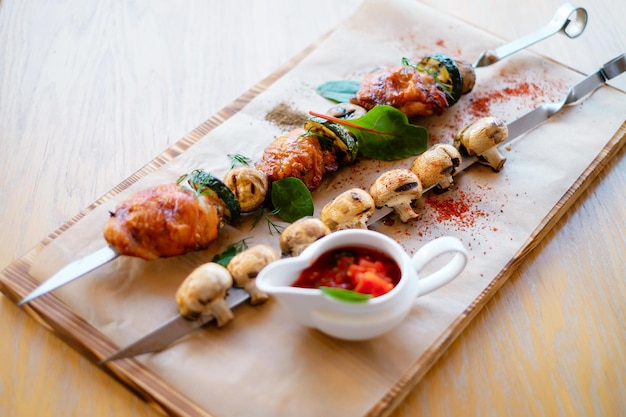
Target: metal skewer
73, 271
173, 329
177, 327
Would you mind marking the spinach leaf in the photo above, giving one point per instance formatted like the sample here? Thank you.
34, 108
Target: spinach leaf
291, 199
385, 133
345, 295
339, 91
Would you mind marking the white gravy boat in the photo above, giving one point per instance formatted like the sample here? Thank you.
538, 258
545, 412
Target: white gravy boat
362, 320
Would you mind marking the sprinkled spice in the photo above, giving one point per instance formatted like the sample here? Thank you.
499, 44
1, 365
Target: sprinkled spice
283, 115
480, 104
459, 212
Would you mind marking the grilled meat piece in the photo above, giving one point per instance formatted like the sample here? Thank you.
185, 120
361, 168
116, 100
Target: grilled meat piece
297, 154
403, 87
162, 221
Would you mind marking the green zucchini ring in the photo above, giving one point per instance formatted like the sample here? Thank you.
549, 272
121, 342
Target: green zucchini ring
446, 74
204, 183
338, 136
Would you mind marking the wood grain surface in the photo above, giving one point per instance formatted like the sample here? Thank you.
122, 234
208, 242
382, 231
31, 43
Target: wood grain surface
91, 92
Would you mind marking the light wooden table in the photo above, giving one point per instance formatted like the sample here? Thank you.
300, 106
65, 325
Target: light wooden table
91, 91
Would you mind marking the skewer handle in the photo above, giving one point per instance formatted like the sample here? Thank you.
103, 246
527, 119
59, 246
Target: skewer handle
568, 19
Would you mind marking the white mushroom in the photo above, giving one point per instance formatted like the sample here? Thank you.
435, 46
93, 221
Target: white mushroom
349, 210
436, 166
481, 138
300, 234
204, 292
397, 189
346, 111
249, 186
246, 265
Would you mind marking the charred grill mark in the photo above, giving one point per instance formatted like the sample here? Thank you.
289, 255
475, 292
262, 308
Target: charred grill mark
407, 187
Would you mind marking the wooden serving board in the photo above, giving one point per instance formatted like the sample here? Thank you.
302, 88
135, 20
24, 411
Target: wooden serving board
368, 378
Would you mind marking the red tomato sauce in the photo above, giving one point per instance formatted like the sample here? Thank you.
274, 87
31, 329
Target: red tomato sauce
362, 270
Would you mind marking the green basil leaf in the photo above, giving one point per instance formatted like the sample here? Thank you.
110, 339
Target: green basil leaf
291, 199
345, 295
339, 91
385, 133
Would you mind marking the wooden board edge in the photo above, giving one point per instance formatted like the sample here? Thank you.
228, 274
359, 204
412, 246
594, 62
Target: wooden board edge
417, 371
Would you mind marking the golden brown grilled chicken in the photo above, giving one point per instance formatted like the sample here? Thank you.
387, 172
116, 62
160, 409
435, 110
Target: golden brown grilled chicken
298, 155
403, 87
162, 221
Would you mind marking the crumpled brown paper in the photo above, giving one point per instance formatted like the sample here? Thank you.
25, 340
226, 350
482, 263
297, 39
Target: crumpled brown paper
264, 364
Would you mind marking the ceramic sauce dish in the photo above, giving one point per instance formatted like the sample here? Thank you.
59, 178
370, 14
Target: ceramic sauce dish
375, 316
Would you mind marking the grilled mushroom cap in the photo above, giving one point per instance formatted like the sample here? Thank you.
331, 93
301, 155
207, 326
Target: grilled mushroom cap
300, 234
349, 210
249, 186
481, 138
436, 166
346, 111
204, 292
246, 265
397, 189
468, 75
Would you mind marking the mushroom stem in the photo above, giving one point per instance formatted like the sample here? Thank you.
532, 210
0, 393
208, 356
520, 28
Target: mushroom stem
405, 212
445, 183
256, 295
221, 311
493, 158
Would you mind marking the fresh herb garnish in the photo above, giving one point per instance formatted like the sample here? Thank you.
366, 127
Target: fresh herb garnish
230, 252
345, 295
339, 91
238, 159
291, 199
271, 226
384, 133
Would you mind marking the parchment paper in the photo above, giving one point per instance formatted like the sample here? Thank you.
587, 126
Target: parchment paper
262, 363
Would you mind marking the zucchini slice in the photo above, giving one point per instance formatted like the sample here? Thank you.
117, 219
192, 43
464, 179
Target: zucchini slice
205, 183
338, 136
446, 73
